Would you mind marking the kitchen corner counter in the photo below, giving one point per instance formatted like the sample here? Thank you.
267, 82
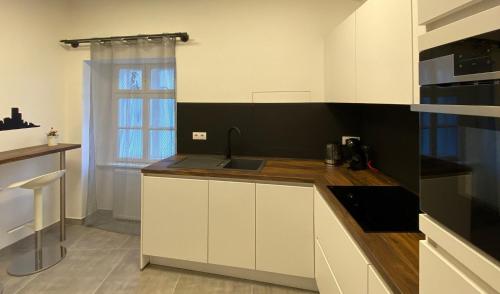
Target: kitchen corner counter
394, 255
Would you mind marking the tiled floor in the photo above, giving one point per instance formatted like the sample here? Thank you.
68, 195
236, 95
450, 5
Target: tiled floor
105, 262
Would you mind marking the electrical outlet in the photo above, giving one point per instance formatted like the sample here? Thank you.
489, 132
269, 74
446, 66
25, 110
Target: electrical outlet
200, 136
345, 138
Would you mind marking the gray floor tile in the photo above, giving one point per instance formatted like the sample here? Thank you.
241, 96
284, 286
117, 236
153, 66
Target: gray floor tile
134, 242
198, 283
127, 278
12, 284
82, 271
99, 239
105, 262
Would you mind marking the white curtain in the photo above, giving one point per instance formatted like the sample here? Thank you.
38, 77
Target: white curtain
132, 123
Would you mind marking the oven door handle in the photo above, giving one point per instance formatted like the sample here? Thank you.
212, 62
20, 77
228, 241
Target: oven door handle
473, 110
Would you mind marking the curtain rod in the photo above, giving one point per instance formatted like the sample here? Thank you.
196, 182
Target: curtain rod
76, 42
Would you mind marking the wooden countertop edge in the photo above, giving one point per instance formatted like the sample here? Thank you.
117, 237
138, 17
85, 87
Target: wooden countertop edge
403, 281
34, 151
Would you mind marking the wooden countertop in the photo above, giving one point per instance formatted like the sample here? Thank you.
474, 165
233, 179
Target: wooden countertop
34, 151
394, 255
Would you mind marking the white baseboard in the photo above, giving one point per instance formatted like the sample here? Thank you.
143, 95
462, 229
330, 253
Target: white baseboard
247, 274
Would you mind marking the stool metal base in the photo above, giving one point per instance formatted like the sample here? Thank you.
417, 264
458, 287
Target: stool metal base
36, 261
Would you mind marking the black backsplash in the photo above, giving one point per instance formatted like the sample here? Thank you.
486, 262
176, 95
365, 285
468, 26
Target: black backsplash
301, 130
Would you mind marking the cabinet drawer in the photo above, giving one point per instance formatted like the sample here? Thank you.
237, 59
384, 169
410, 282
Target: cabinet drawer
375, 283
346, 260
438, 275
325, 279
175, 218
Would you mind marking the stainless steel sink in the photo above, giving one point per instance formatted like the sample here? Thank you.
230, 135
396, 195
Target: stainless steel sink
244, 164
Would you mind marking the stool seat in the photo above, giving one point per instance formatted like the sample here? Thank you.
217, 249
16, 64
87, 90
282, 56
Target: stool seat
38, 182
41, 258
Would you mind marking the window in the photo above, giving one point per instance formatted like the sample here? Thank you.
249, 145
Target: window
145, 112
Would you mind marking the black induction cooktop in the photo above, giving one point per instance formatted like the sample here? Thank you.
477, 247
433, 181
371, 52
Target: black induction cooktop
380, 208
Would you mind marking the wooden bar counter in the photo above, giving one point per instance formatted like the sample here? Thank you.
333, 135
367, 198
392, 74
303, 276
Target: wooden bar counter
41, 150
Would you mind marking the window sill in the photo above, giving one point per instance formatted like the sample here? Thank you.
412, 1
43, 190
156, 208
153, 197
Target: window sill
123, 165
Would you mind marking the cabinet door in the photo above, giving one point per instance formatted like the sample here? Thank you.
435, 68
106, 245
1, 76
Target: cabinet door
325, 279
284, 232
232, 224
384, 70
346, 260
375, 283
340, 64
430, 10
438, 275
175, 218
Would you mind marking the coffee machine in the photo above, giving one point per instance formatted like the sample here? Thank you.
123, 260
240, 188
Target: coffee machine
358, 154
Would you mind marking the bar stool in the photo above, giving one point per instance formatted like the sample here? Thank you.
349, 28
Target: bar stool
42, 257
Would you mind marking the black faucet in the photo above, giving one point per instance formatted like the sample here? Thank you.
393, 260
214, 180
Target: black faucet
228, 148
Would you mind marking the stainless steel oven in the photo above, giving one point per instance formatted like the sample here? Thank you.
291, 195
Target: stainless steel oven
460, 138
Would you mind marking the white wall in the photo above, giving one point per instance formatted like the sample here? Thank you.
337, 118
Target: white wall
31, 78
236, 48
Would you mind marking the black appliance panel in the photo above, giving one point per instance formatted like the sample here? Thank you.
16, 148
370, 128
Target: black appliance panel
472, 55
485, 93
380, 208
460, 176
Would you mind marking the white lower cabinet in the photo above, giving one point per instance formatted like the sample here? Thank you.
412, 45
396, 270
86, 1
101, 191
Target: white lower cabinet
281, 229
438, 275
175, 218
375, 283
265, 227
285, 238
231, 239
346, 260
325, 280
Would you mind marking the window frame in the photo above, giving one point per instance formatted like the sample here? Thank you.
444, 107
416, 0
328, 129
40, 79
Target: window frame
145, 94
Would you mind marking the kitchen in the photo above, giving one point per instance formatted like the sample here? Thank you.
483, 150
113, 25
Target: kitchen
212, 143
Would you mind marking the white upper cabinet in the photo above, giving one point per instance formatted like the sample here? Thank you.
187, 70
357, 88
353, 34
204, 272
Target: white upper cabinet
431, 10
384, 53
284, 230
340, 62
370, 56
231, 240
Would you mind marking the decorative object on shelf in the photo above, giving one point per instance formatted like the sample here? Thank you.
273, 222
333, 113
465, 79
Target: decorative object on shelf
15, 121
52, 137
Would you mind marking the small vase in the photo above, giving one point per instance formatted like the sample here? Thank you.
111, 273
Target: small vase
52, 140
